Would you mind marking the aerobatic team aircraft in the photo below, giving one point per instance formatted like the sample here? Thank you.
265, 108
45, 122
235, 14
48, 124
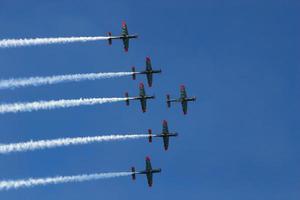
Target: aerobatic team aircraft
148, 171
183, 99
142, 97
165, 135
149, 71
124, 36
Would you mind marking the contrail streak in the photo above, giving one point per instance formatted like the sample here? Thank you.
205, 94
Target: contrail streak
49, 80
48, 105
47, 144
31, 182
7, 43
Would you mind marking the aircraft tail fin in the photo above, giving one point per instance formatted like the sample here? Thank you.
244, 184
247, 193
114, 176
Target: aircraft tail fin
133, 71
109, 39
150, 135
168, 101
133, 173
127, 98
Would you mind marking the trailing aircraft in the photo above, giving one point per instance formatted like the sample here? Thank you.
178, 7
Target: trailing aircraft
142, 98
125, 36
183, 99
165, 135
149, 72
148, 172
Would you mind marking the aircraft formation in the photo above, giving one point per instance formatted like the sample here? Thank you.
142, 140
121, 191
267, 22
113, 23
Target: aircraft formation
142, 97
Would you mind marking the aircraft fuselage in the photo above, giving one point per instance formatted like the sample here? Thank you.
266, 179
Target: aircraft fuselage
153, 171
189, 99
124, 37
150, 72
146, 97
166, 135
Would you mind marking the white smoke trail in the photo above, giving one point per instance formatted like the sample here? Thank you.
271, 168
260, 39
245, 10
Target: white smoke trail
49, 80
43, 144
7, 43
48, 105
31, 182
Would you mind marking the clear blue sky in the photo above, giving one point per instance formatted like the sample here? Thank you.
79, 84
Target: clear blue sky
240, 140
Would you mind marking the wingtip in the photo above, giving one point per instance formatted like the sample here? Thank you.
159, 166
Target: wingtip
141, 85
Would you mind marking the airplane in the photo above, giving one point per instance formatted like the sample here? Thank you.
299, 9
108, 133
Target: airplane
183, 99
124, 36
149, 72
148, 172
165, 135
142, 97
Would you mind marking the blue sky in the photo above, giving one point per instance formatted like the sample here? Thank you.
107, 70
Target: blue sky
240, 58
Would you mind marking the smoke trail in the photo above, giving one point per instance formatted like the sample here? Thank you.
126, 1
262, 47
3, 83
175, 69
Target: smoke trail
37, 81
31, 182
43, 144
7, 43
48, 105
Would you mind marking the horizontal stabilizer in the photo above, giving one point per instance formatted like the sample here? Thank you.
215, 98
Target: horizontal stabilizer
133, 71
150, 135
133, 173
168, 101
109, 39
127, 98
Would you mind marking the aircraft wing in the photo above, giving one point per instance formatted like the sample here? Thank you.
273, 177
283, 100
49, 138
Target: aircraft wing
149, 79
166, 142
165, 127
150, 179
148, 64
142, 95
142, 90
144, 104
124, 29
126, 43
182, 92
184, 107
165, 134
148, 164
149, 171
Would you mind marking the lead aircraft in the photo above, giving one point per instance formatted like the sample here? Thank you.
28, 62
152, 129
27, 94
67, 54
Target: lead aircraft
125, 36
142, 98
148, 172
183, 99
165, 135
149, 72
